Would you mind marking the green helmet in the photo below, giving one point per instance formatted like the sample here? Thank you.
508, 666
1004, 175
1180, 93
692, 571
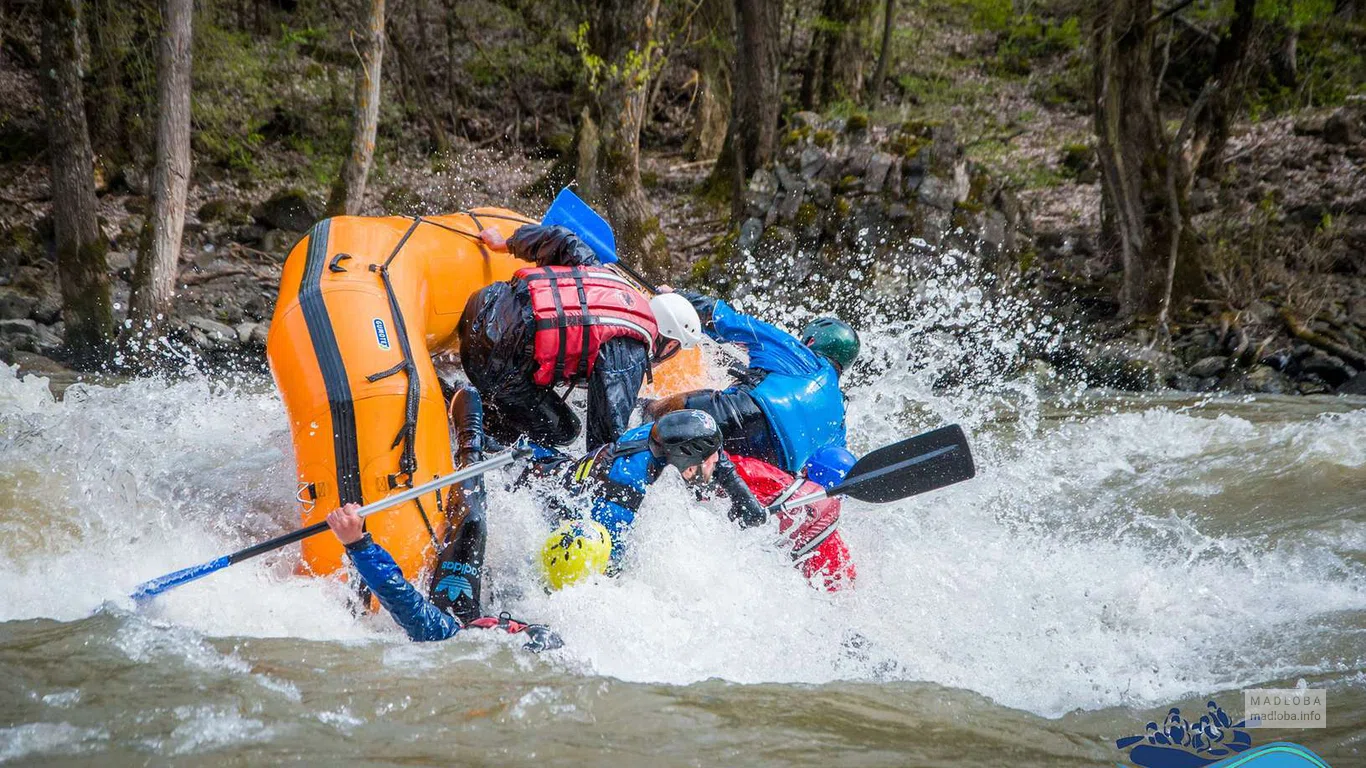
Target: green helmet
833, 339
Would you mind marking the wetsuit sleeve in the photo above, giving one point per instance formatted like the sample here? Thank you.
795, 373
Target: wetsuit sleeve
551, 247
770, 347
745, 509
421, 619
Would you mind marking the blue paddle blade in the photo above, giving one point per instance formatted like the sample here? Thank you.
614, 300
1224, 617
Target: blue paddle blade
571, 212
150, 589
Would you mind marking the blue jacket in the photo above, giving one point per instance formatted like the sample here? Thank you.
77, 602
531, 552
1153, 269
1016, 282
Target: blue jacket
800, 392
620, 489
418, 616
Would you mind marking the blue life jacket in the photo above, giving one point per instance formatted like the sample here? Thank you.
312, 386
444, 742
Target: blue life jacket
617, 474
799, 392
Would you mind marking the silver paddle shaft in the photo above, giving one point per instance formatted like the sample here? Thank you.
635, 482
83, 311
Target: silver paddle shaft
474, 470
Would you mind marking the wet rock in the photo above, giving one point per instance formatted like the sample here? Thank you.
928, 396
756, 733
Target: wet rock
876, 175
211, 334
1342, 128
250, 234
244, 331
28, 335
134, 179
288, 209
259, 334
749, 234
1078, 160
1267, 380
1354, 386
1183, 382
223, 210
937, 193
41, 365
1329, 368
1206, 385
1309, 126
1313, 385
279, 241
1214, 365
15, 304
1130, 369
813, 160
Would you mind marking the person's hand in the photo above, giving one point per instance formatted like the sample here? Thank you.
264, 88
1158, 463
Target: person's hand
494, 240
665, 288
348, 525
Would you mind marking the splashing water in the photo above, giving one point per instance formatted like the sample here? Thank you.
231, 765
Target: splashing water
1113, 552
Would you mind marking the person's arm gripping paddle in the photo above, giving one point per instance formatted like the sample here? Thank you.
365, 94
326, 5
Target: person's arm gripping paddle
418, 616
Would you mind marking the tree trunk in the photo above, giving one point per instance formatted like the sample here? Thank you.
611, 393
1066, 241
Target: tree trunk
348, 193
1226, 97
836, 59
623, 56
425, 107
753, 132
842, 67
158, 262
714, 79
81, 267
1133, 149
453, 83
888, 23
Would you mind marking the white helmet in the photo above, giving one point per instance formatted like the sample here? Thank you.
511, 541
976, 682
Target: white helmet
677, 319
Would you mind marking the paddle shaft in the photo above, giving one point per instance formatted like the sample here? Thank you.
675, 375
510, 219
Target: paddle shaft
172, 580
474, 470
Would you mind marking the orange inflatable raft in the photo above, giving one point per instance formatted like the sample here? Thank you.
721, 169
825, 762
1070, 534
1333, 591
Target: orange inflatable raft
364, 303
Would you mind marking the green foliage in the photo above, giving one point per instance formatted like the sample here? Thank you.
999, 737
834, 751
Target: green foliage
231, 97
1031, 39
990, 15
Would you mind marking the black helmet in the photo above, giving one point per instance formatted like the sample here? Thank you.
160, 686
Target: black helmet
685, 438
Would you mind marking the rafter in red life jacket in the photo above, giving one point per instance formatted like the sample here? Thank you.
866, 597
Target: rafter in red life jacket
576, 310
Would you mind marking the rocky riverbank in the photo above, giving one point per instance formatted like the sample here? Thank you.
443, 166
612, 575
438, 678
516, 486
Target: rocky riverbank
851, 216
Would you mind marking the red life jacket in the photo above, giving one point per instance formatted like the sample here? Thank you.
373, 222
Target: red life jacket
576, 309
811, 530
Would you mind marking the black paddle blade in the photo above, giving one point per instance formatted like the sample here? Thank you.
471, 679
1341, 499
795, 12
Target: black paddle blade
915, 465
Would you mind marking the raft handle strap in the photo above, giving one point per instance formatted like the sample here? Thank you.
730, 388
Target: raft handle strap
386, 373
335, 264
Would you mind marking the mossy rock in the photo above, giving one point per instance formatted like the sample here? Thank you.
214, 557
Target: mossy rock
856, 122
806, 215
825, 139
796, 136
220, 209
1078, 158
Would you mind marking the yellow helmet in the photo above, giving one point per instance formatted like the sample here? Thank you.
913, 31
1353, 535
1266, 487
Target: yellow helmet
577, 549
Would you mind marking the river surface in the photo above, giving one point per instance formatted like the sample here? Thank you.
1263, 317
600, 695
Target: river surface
1115, 557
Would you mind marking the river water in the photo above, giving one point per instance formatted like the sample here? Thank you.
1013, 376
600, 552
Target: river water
1116, 556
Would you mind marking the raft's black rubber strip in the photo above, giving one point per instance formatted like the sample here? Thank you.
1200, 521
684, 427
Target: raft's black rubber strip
329, 357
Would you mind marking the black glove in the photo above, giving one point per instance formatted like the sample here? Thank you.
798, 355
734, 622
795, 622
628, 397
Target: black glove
704, 304
551, 247
744, 508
